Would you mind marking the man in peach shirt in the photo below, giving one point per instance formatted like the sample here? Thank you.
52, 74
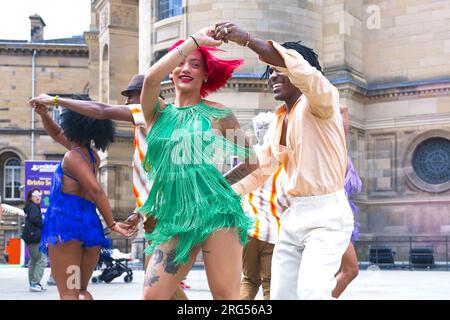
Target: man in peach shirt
308, 139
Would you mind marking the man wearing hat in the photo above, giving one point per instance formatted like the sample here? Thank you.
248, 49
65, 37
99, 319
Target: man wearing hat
130, 112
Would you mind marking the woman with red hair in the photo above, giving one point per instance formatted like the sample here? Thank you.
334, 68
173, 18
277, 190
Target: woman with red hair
193, 203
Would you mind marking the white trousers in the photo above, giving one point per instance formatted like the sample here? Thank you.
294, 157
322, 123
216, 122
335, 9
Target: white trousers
314, 234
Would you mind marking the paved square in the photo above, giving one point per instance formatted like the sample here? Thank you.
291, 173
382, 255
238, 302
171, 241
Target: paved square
372, 285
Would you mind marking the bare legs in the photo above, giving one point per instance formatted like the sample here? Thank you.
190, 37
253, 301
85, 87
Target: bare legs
222, 254
162, 277
347, 272
89, 260
72, 267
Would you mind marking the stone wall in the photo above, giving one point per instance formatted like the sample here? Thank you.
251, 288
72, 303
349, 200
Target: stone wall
63, 73
411, 42
389, 60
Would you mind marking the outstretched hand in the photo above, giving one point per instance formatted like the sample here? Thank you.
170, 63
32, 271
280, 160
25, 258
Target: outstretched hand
42, 99
133, 220
40, 109
124, 229
205, 37
228, 31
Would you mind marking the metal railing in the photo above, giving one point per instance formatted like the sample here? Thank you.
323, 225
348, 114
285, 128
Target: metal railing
402, 248
400, 245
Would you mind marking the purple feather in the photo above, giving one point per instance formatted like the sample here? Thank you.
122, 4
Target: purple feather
352, 185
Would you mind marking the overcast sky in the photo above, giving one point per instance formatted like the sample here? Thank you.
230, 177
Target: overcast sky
63, 18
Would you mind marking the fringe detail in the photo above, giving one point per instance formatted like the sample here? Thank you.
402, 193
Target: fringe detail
70, 217
189, 197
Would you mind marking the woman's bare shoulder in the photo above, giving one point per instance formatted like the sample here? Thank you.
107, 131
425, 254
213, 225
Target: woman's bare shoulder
71, 158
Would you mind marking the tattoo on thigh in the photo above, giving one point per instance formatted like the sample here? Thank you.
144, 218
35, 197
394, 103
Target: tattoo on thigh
158, 256
151, 277
169, 265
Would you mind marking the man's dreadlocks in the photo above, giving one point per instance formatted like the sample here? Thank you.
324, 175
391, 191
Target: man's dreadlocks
307, 53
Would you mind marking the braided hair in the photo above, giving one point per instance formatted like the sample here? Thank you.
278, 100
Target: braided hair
307, 53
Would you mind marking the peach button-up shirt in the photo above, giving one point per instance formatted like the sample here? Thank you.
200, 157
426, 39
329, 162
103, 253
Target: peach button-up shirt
315, 155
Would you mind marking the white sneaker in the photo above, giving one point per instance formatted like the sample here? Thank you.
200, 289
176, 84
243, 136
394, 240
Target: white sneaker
36, 288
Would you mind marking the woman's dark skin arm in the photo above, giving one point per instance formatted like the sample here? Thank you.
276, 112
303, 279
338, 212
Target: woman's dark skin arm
93, 109
266, 52
51, 127
79, 168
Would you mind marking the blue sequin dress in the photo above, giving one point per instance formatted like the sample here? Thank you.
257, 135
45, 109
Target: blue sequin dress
70, 217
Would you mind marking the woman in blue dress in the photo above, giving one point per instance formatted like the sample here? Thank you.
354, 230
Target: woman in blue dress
72, 232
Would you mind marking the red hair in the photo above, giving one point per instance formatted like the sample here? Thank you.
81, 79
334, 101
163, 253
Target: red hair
218, 70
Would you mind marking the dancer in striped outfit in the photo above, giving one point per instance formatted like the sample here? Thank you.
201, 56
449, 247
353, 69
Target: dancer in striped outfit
265, 206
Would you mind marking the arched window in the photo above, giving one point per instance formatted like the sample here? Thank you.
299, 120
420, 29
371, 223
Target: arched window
11, 179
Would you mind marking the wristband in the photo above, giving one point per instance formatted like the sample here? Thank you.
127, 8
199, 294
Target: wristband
195, 41
248, 40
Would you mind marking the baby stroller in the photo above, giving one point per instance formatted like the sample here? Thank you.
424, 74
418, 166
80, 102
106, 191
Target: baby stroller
113, 268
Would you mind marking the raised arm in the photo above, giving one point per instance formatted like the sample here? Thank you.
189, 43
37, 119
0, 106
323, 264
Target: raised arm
91, 109
51, 127
321, 94
241, 37
163, 67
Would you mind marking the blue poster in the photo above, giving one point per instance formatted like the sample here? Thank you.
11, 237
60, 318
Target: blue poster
38, 174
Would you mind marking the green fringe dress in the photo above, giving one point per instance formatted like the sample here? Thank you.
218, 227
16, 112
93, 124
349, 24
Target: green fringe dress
189, 197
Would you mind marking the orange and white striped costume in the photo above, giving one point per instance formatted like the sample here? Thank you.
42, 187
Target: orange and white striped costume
141, 184
266, 205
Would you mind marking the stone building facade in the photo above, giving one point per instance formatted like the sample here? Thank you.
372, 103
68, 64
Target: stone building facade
58, 66
389, 59
113, 60
65, 67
